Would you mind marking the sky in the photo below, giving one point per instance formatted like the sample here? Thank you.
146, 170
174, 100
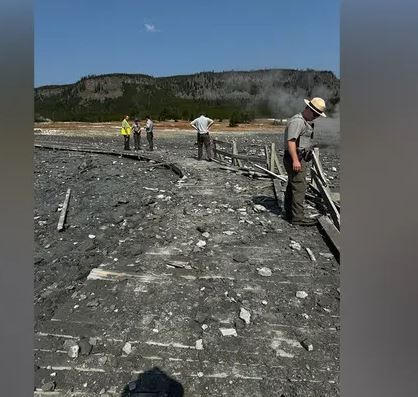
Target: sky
75, 38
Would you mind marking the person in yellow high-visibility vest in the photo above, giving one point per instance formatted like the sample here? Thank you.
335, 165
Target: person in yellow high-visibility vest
126, 132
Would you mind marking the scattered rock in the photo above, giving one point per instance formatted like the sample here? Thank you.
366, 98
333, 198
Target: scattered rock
206, 234
103, 360
307, 345
264, 271
92, 236
50, 386
73, 351
199, 344
93, 303
228, 331
295, 246
326, 255
85, 347
301, 294
229, 232
259, 208
201, 243
245, 315
240, 257
264, 303
127, 348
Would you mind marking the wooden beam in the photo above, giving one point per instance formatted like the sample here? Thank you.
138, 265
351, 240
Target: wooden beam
64, 209
335, 215
277, 187
267, 154
318, 167
239, 156
331, 231
282, 178
272, 162
222, 142
278, 165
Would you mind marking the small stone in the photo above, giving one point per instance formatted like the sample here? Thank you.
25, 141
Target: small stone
93, 341
301, 294
200, 374
259, 208
264, 303
264, 271
295, 246
199, 344
50, 386
228, 331
326, 255
92, 236
103, 360
73, 351
229, 232
85, 347
93, 303
201, 243
206, 234
202, 228
245, 315
307, 345
127, 348
305, 316
334, 169
205, 327
240, 257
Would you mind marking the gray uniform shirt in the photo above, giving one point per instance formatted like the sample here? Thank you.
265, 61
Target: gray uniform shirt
298, 127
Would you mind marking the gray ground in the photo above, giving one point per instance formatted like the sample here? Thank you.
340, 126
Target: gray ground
156, 318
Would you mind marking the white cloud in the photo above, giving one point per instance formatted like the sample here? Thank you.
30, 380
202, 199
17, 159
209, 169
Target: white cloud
151, 28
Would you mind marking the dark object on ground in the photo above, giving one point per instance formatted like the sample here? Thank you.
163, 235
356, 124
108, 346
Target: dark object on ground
153, 382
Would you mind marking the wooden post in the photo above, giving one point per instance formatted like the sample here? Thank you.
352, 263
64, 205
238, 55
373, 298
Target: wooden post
266, 153
272, 152
235, 161
64, 211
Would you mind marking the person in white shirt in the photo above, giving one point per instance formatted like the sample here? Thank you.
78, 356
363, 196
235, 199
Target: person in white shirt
149, 128
202, 125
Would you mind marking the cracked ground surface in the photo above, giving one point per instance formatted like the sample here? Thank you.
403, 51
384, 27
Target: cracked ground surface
155, 273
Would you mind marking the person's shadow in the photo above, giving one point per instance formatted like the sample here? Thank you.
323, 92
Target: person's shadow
153, 383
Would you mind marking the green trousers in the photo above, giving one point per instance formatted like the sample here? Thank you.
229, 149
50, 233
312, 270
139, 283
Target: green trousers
295, 190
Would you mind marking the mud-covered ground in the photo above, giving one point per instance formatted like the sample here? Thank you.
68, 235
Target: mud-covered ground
175, 266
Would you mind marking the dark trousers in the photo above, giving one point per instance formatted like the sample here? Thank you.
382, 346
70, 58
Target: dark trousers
150, 139
126, 142
204, 139
137, 140
295, 190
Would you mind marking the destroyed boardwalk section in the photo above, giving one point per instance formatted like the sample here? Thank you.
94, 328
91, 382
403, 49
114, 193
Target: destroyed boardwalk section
198, 277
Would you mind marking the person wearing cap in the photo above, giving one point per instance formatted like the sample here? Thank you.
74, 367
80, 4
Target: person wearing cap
202, 125
126, 132
149, 128
298, 138
136, 128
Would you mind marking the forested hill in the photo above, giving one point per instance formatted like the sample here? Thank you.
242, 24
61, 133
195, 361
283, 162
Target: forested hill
274, 93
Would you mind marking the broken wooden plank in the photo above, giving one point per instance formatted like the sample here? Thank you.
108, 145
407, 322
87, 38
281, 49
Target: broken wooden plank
318, 167
235, 152
331, 231
64, 210
239, 156
267, 154
282, 178
335, 215
222, 142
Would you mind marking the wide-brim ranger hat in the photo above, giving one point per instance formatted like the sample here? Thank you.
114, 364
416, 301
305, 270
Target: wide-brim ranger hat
317, 105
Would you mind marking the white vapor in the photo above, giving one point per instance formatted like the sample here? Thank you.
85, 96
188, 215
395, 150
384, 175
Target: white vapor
151, 28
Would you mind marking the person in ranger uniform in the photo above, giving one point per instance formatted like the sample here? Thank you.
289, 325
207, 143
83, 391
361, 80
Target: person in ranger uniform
298, 144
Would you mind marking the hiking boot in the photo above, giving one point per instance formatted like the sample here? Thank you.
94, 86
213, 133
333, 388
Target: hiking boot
305, 222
